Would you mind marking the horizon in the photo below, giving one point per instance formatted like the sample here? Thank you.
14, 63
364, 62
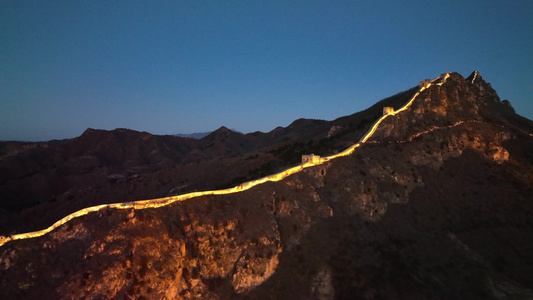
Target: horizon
180, 68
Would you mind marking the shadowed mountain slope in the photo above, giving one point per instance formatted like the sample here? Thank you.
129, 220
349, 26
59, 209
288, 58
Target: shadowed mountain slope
436, 205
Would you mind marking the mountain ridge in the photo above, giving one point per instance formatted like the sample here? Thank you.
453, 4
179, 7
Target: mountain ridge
122, 164
67, 175
436, 204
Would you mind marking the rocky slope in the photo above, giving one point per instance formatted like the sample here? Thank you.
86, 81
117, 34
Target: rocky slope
436, 205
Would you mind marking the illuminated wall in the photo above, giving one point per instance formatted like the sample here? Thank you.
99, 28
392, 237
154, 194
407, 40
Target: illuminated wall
155, 203
475, 76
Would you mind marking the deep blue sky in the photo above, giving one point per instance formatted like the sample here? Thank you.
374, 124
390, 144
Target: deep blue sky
190, 66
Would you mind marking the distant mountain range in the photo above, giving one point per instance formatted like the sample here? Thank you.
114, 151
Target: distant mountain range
197, 135
436, 204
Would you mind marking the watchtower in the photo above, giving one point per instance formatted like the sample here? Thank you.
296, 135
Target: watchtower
425, 83
388, 110
310, 158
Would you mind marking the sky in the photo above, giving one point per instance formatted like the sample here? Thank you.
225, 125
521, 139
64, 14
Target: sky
169, 67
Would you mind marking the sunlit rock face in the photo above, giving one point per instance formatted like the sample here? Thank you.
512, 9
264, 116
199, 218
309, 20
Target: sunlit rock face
436, 205
224, 245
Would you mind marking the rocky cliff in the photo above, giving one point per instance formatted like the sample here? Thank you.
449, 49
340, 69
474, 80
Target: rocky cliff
435, 205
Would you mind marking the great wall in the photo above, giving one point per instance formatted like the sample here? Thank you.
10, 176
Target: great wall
155, 203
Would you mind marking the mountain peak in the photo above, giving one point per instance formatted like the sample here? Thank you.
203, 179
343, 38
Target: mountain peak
474, 77
448, 100
221, 133
223, 129
89, 131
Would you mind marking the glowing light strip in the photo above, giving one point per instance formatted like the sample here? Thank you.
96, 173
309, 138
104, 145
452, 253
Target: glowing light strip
475, 76
160, 202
